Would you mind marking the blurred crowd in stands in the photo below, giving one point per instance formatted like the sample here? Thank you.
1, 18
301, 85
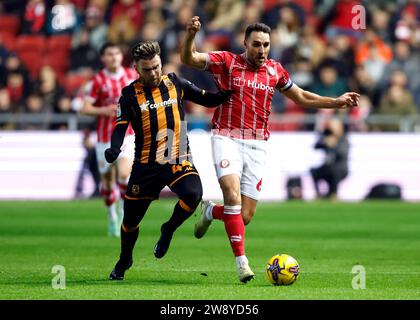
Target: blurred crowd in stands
49, 50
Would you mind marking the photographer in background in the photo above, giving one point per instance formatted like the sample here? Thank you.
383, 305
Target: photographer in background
334, 142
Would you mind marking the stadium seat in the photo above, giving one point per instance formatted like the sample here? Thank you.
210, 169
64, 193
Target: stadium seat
9, 24
59, 43
58, 60
73, 82
30, 43
32, 62
8, 40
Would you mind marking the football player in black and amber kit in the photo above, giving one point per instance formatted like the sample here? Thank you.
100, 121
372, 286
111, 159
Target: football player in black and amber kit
153, 104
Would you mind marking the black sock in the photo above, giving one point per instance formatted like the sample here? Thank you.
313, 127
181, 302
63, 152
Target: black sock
178, 217
134, 211
128, 241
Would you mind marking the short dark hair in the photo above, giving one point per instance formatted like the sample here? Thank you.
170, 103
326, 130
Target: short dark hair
257, 27
107, 45
145, 50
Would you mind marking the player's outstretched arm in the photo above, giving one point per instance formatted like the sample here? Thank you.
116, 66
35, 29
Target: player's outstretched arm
203, 97
189, 54
309, 99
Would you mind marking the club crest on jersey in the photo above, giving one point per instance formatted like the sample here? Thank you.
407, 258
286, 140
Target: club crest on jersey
168, 83
224, 163
271, 71
135, 189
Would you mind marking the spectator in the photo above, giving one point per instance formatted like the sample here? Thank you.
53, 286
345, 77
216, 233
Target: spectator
339, 19
310, 45
15, 86
370, 42
252, 13
409, 62
271, 15
381, 25
329, 84
374, 54
301, 73
406, 26
49, 88
132, 9
158, 12
334, 142
95, 25
84, 58
364, 83
34, 17
35, 107
6, 108
64, 107
342, 55
13, 64
396, 102
287, 29
170, 39
225, 15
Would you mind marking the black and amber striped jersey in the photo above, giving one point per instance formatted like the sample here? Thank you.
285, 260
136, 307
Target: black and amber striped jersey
157, 116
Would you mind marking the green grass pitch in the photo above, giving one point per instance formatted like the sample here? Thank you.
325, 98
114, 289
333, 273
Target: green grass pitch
327, 239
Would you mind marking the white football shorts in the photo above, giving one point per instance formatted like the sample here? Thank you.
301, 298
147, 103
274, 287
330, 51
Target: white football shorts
127, 151
246, 158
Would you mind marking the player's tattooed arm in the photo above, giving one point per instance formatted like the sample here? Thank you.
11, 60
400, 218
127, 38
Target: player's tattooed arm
203, 97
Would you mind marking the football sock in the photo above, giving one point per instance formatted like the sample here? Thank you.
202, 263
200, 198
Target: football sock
134, 213
110, 198
122, 186
235, 229
181, 212
217, 212
128, 240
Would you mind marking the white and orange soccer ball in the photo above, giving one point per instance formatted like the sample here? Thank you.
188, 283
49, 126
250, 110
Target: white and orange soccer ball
282, 269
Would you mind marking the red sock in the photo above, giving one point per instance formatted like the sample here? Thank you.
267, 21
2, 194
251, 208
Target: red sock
108, 196
217, 212
123, 189
235, 229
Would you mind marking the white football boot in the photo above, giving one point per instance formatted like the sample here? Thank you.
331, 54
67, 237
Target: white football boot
244, 271
204, 222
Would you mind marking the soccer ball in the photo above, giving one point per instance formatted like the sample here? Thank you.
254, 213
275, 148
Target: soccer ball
282, 269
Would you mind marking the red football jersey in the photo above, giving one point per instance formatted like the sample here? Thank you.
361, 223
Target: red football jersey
245, 115
106, 90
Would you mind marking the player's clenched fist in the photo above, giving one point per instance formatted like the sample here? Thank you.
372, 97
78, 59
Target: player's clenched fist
111, 154
193, 25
